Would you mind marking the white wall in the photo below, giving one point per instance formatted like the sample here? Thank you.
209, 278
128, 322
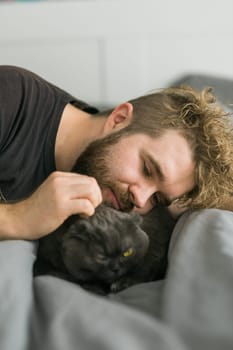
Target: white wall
108, 51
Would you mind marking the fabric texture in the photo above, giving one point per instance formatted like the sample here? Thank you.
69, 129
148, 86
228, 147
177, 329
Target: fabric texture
190, 309
30, 112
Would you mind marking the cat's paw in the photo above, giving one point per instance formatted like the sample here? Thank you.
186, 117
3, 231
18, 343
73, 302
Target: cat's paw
119, 285
94, 288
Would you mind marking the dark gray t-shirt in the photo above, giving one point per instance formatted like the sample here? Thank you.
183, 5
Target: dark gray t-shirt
30, 112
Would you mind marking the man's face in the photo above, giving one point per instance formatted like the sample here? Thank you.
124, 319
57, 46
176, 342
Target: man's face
138, 171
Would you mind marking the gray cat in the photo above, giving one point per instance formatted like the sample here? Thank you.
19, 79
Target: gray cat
108, 251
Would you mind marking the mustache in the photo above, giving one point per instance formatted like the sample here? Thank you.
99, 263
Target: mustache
94, 162
126, 204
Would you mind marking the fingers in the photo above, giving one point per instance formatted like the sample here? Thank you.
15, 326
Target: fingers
82, 206
76, 186
78, 193
176, 211
61, 195
86, 192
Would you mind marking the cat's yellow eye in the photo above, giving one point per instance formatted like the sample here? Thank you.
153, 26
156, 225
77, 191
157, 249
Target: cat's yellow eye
128, 252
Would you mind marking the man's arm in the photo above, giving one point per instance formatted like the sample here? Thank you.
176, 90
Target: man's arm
61, 195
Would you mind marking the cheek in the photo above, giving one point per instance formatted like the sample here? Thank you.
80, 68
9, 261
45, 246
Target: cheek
124, 166
125, 174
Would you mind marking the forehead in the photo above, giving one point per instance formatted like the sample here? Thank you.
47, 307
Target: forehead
171, 158
170, 142
174, 157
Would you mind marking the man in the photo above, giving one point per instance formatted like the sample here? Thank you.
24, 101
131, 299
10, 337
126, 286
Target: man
171, 146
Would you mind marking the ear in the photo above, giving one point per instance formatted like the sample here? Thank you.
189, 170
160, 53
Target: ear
120, 117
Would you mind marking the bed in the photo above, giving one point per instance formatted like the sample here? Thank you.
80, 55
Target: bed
192, 308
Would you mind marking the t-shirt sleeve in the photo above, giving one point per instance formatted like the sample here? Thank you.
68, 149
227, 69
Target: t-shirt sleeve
30, 112
11, 92
22, 93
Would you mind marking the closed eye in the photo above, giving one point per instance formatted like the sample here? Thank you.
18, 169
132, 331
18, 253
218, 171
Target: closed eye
146, 170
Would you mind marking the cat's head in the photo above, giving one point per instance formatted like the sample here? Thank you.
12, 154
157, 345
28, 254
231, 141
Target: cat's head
104, 246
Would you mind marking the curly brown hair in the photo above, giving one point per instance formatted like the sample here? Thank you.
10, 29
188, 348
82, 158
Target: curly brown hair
208, 130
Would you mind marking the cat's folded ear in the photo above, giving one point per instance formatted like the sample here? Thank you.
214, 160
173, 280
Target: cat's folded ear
79, 228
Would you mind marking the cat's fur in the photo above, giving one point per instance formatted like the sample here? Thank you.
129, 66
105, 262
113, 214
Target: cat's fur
90, 251
158, 224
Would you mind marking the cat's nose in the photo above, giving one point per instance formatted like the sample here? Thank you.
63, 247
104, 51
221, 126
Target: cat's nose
115, 268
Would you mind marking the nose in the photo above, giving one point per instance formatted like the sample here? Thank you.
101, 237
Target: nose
114, 266
141, 195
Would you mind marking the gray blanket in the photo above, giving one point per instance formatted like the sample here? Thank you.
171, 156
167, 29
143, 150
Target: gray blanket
191, 309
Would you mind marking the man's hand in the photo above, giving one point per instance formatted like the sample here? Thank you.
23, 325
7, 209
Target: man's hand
176, 211
61, 195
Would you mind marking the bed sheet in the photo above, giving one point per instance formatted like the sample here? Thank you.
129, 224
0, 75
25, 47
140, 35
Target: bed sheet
191, 309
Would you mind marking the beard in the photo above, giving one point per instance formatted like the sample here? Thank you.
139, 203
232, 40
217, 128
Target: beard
95, 161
